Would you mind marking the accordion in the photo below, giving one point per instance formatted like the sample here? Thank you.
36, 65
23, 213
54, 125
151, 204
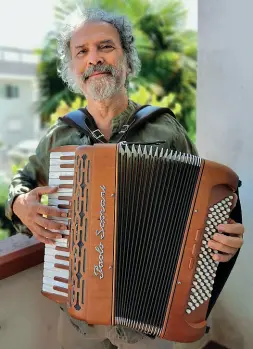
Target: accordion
136, 252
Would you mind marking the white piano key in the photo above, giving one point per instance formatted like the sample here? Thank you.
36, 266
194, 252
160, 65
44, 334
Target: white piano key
57, 154
61, 242
63, 191
63, 232
54, 162
50, 266
58, 174
58, 168
49, 289
56, 272
57, 195
51, 250
55, 202
59, 219
52, 259
60, 181
52, 282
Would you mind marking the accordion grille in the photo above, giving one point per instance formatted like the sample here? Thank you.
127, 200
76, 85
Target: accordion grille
155, 194
79, 232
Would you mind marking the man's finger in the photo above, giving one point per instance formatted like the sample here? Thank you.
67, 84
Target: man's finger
51, 211
214, 245
45, 235
231, 241
50, 224
44, 240
222, 257
233, 229
45, 190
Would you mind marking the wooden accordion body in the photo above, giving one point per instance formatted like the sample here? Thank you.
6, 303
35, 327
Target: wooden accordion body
136, 251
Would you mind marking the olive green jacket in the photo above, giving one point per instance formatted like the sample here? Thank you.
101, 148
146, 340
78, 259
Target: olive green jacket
35, 173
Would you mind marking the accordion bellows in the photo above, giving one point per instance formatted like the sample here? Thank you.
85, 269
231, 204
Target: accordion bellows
136, 253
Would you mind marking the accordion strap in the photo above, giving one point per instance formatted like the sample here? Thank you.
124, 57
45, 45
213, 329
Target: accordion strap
84, 123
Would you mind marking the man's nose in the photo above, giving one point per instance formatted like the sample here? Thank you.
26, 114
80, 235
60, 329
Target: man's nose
94, 58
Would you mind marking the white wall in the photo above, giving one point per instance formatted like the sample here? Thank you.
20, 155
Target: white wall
18, 119
225, 134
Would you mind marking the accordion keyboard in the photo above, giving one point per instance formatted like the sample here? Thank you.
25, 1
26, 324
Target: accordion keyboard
56, 258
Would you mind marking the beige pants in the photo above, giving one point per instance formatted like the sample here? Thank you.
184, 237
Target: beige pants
102, 337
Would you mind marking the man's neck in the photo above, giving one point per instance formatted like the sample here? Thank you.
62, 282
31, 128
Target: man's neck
104, 111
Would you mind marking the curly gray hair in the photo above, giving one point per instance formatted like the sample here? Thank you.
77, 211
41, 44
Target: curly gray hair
78, 18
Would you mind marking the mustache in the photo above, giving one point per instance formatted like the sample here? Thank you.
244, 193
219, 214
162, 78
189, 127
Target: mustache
98, 69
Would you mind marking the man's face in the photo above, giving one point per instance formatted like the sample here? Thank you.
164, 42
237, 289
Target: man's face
98, 61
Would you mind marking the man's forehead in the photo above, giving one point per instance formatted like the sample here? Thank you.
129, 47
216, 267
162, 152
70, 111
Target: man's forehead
91, 32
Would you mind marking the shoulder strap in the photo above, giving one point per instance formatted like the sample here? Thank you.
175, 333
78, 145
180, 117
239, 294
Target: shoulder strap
78, 120
143, 115
150, 112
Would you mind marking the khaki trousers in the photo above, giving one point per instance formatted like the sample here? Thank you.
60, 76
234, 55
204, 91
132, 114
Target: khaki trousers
102, 337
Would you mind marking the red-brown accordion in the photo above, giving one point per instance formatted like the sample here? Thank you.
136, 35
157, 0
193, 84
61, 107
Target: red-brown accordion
136, 253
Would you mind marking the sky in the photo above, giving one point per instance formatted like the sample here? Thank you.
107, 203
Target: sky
24, 23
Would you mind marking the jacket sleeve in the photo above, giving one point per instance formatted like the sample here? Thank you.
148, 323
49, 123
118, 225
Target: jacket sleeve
181, 141
33, 174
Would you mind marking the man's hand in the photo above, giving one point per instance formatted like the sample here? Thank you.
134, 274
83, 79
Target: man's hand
29, 210
230, 244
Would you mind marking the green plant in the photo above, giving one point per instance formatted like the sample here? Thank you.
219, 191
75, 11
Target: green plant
4, 234
3, 193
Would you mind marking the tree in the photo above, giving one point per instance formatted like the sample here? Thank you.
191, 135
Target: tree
168, 54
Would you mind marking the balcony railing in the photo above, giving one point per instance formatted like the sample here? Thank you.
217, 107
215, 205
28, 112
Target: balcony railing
10, 54
14, 61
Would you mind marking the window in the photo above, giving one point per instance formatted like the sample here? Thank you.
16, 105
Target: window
11, 91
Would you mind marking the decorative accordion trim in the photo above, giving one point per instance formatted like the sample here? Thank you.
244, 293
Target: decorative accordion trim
155, 151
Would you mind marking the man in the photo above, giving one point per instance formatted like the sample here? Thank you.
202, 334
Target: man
98, 56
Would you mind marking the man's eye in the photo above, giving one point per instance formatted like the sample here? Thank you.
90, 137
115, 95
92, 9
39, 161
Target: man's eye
81, 52
106, 46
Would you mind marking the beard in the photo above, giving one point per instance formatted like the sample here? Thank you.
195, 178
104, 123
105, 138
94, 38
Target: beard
103, 86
